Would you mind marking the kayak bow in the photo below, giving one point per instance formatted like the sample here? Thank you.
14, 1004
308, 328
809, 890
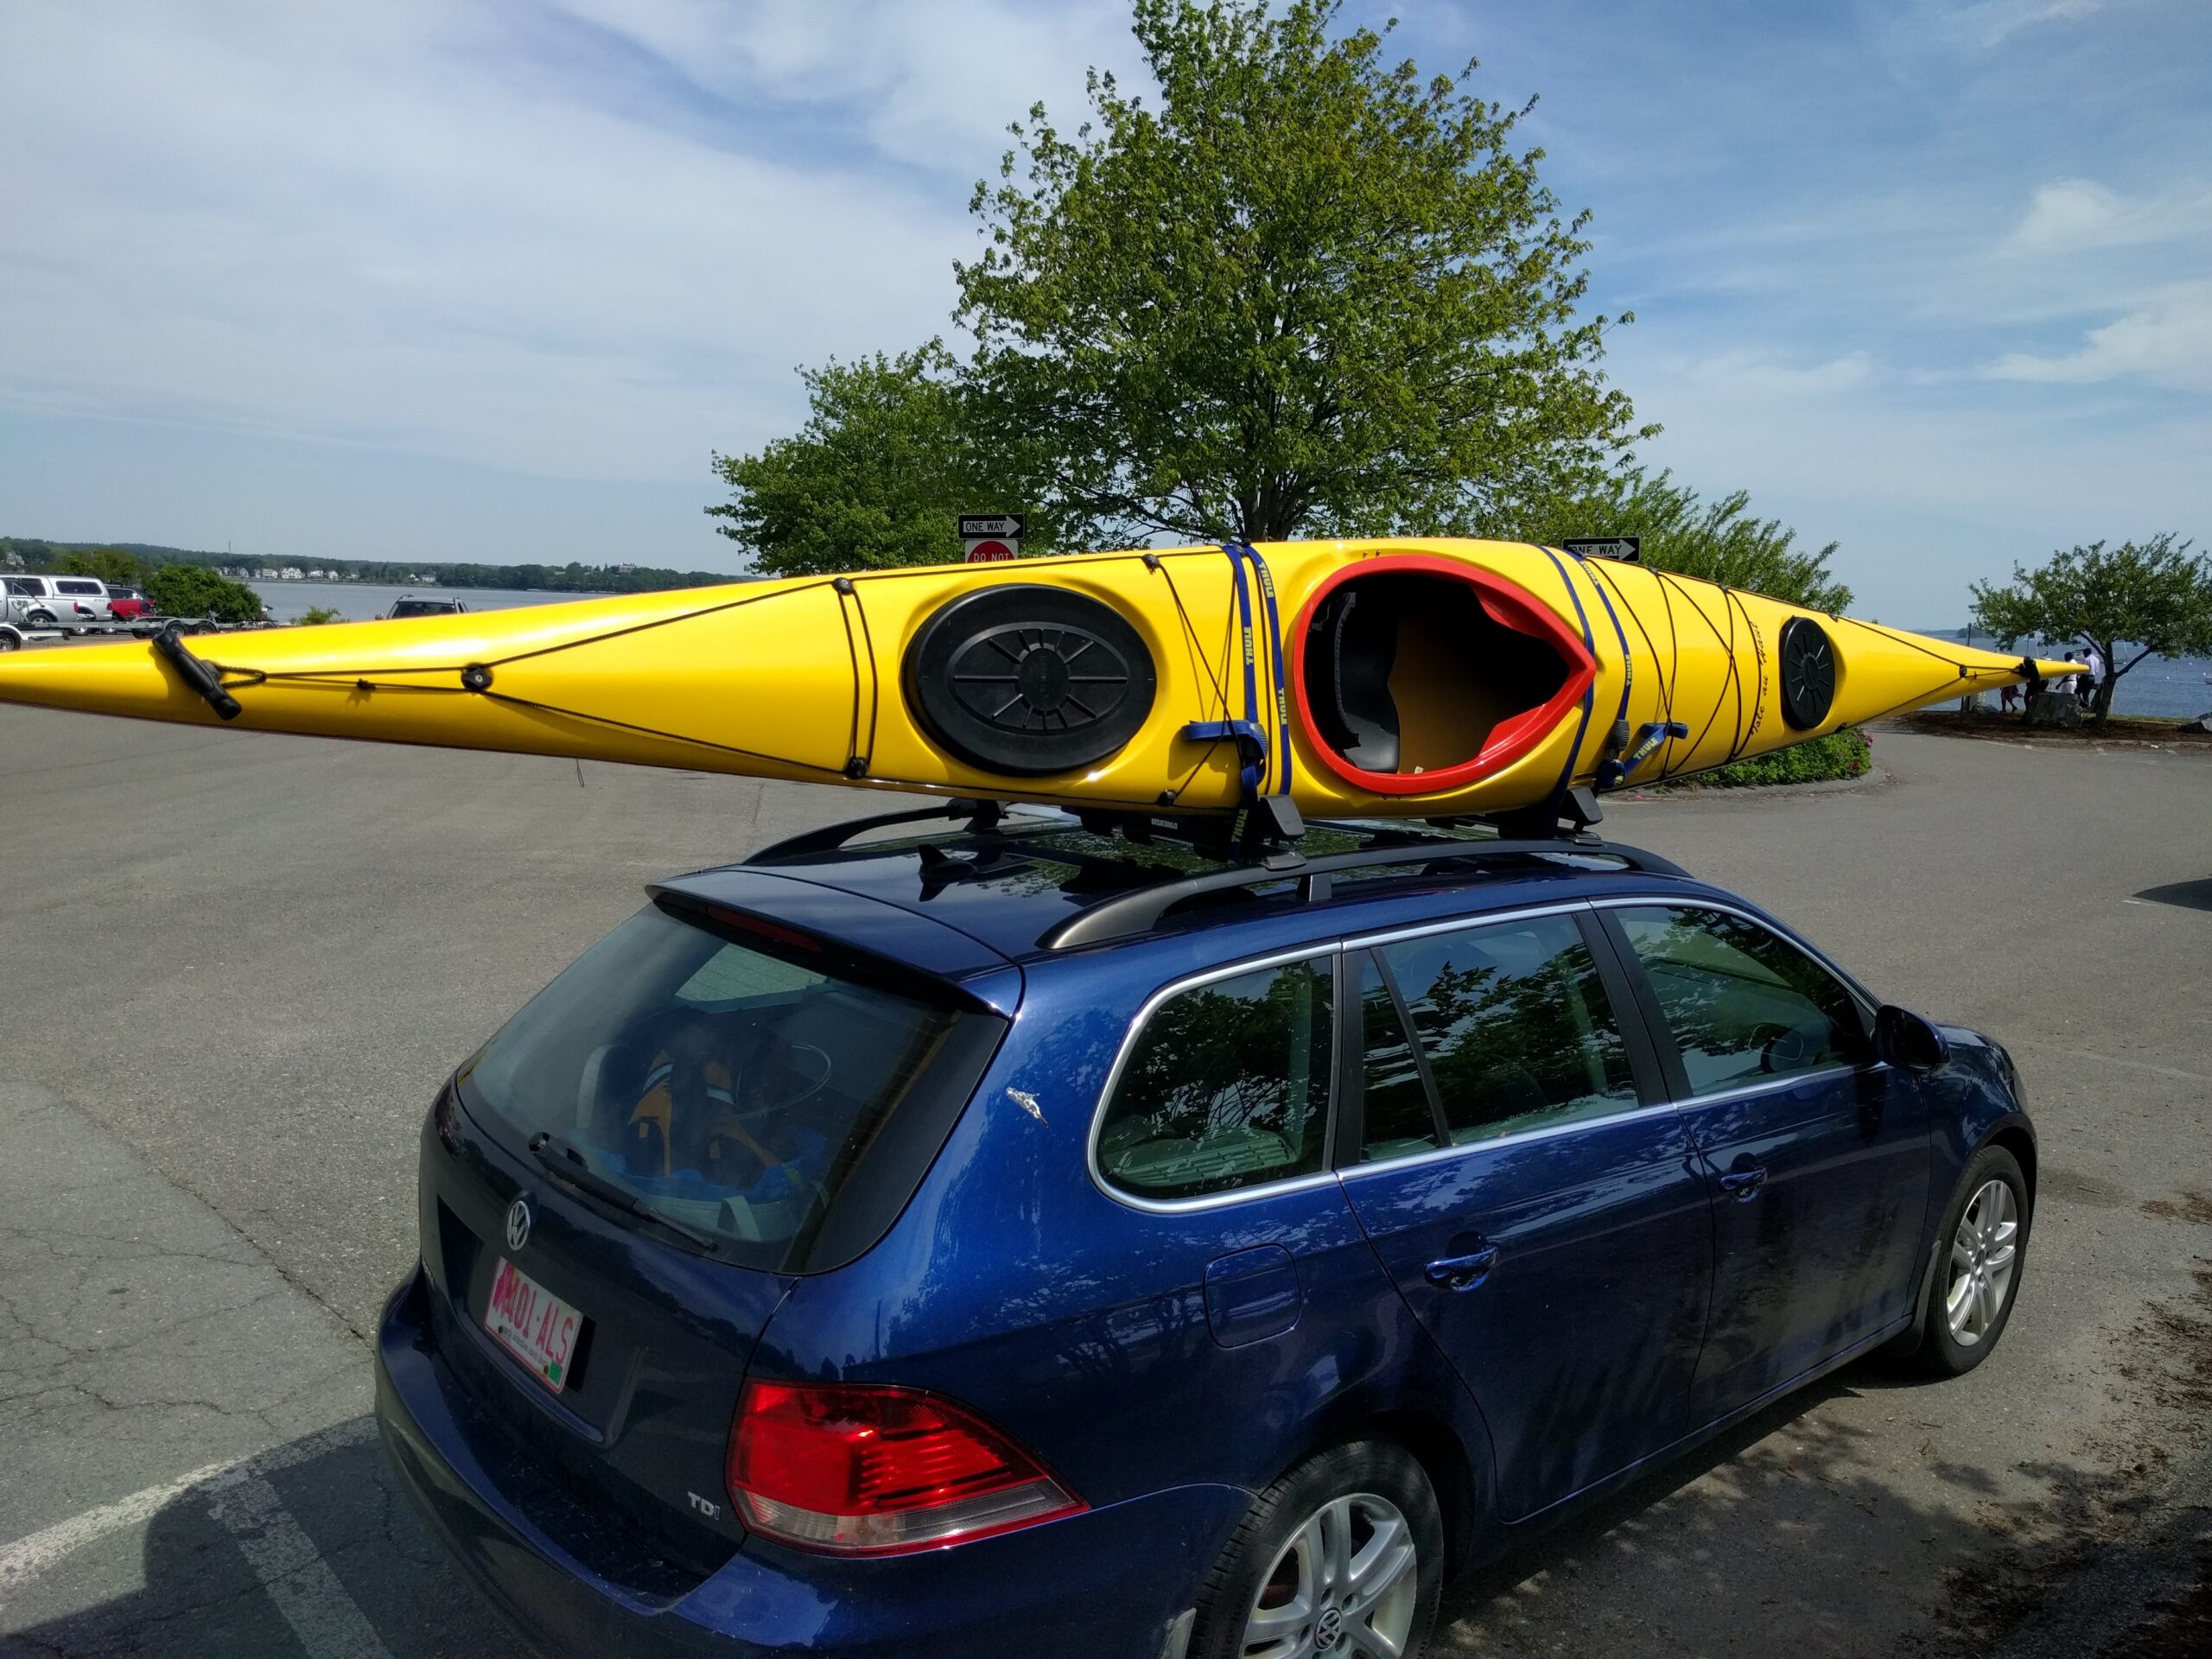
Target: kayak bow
1414, 678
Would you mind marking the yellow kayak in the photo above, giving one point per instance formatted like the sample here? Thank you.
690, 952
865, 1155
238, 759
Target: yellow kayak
1421, 678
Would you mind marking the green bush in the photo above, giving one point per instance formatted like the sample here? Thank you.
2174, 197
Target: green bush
317, 615
193, 590
1847, 754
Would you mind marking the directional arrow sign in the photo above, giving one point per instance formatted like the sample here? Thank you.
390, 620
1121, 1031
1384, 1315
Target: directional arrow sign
988, 536
1627, 549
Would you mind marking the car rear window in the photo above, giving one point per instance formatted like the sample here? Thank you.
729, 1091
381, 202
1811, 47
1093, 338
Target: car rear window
731, 1086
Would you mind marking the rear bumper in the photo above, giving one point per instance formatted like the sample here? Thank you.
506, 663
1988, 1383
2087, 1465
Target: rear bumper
1108, 1582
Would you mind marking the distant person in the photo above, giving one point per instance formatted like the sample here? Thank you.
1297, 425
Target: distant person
2096, 663
2070, 683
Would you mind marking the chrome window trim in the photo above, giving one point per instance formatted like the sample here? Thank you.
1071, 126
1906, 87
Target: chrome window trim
1333, 952
1519, 1137
1867, 1002
1462, 924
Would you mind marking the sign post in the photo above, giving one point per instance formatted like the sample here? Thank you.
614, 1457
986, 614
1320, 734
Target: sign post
992, 535
1629, 550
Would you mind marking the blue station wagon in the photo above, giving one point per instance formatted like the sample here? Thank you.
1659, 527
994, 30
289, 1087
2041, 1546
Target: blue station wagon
1029, 1237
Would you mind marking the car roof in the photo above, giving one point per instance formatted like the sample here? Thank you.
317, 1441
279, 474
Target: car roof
1014, 888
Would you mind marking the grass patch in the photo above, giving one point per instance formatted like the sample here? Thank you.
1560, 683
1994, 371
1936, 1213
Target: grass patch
1847, 754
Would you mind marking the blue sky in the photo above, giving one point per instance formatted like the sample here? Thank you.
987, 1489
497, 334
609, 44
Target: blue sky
444, 280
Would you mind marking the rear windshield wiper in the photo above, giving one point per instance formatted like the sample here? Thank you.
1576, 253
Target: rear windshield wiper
566, 1161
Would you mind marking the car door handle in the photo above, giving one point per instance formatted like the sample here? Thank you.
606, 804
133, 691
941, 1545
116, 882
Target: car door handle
1742, 1184
1462, 1272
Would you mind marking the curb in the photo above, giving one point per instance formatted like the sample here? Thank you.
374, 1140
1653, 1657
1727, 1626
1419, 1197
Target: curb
1874, 778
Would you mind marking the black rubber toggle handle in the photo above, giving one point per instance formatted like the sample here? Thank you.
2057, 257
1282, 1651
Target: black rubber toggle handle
199, 676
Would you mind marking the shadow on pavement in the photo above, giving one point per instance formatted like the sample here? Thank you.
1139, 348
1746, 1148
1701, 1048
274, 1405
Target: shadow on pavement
2188, 895
337, 1555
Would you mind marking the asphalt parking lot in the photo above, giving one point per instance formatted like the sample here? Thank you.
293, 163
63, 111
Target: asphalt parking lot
234, 968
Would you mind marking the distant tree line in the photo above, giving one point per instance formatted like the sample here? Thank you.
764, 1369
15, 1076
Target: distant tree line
572, 578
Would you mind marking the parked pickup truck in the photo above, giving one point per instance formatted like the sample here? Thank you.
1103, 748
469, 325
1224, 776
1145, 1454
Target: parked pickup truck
78, 604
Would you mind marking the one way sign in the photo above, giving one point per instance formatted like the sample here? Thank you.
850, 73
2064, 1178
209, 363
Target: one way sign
992, 535
1629, 550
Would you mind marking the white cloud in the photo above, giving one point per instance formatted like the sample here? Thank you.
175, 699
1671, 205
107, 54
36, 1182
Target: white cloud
2073, 215
409, 226
1991, 22
933, 82
1765, 372
2167, 342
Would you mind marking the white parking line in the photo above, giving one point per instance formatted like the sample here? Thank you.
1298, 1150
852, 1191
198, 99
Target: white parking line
306, 1592
25, 1559
299, 1582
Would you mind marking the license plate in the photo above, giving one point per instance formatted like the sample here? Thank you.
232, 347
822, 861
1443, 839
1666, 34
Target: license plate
533, 1325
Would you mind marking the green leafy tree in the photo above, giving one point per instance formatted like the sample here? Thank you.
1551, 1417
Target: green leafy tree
194, 590
107, 564
2154, 597
886, 464
1719, 541
1310, 293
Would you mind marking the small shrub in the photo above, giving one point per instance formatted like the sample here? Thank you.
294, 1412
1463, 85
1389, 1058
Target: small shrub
193, 590
1847, 754
317, 615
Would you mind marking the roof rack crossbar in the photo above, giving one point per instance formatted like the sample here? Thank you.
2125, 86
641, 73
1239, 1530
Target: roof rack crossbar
1141, 910
982, 816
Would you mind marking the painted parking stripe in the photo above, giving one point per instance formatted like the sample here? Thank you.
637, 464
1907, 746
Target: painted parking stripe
299, 1582
25, 1559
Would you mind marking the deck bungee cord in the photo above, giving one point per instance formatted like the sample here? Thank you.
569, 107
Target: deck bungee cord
1403, 678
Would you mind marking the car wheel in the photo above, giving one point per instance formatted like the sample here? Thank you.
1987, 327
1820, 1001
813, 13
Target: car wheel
1343, 1556
40, 619
8, 642
1980, 1253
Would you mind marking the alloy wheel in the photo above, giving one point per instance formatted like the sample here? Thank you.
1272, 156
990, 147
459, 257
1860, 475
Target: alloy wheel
1985, 1251
1347, 1583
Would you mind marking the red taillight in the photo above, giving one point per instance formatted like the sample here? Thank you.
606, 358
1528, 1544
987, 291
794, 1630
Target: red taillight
859, 1470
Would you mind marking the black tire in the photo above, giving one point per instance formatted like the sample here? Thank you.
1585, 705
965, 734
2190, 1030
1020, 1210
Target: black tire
39, 618
1366, 1469
8, 641
1941, 1352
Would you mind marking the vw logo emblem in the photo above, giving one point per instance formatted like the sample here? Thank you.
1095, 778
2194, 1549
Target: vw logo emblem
1329, 1629
519, 1224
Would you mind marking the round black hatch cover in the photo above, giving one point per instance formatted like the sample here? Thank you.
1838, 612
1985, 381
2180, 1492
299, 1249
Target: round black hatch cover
1029, 680
1808, 673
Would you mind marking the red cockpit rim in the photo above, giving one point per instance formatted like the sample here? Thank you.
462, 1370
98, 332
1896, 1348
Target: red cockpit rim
1510, 739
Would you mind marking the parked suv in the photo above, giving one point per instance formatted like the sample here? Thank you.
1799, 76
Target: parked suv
75, 603
1040, 1239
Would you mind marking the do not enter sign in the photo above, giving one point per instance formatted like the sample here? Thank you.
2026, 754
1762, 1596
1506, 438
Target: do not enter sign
989, 536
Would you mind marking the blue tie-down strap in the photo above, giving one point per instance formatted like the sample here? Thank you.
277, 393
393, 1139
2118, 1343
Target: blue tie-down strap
1611, 774
1251, 745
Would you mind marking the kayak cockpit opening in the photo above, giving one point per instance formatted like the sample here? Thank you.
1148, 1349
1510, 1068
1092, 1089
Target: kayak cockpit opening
1417, 679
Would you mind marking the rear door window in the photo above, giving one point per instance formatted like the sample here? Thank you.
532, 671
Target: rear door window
730, 1087
1743, 1004
1516, 1028
1225, 1086
89, 590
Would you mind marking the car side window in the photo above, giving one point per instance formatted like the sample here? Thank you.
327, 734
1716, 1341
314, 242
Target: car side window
1516, 1025
1226, 1086
1741, 1003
